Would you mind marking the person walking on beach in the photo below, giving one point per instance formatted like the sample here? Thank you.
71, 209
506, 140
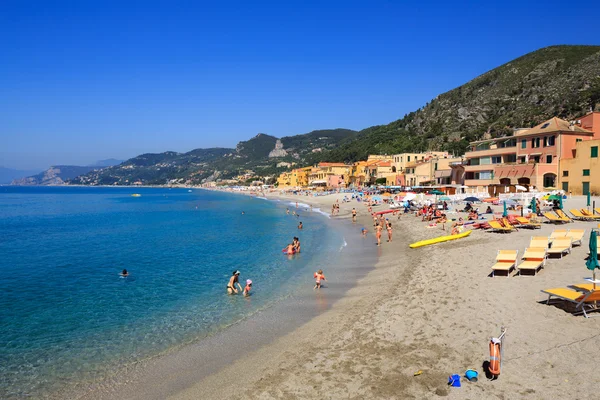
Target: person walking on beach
318, 278
389, 231
353, 214
378, 234
235, 279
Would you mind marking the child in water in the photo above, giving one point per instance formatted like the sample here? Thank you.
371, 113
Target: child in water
318, 278
248, 287
124, 273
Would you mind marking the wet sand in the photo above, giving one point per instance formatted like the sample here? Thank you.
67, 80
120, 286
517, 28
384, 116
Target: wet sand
431, 309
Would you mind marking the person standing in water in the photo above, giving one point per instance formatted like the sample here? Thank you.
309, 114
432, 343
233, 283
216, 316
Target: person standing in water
353, 214
248, 287
318, 278
300, 225
378, 233
235, 279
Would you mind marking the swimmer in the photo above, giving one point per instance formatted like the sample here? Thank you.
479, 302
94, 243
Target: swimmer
287, 211
124, 273
235, 279
248, 287
289, 249
318, 278
300, 225
296, 243
353, 214
364, 231
243, 213
296, 204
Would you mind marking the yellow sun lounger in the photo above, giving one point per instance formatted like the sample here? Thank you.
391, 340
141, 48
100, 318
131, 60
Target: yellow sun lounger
561, 214
539, 241
586, 287
589, 213
558, 233
505, 261
496, 227
597, 210
561, 246
527, 223
581, 300
577, 214
535, 258
576, 236
555, 219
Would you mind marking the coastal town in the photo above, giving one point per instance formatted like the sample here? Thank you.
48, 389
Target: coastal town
556, 154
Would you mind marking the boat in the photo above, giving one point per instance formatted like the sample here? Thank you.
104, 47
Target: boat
440, 239
136, 195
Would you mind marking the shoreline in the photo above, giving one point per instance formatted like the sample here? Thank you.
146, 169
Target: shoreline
188, 363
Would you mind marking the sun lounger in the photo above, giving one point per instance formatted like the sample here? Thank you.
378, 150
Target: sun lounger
539, 241
496, 227
535, 258
555, 219
505, 261
526, 223
597, 210
561, 245
561, 214
506, 223
558, 233
581, 300
589, 214
576, 236
577, 214
585, 287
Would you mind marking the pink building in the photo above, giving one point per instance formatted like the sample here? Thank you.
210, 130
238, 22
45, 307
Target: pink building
336, 181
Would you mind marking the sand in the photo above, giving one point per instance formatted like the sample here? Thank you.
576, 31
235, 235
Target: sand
432, 309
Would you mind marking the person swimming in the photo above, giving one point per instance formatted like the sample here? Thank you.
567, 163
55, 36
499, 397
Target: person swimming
300, 225
124, 273
289, 249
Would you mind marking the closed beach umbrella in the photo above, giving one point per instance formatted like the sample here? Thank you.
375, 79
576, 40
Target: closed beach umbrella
560, 205
592, 261
589, 198
533, 206
505, 213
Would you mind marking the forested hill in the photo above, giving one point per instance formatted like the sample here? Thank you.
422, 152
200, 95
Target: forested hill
263, 154
561, 81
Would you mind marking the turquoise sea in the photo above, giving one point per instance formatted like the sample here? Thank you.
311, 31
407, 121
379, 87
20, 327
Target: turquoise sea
67, 317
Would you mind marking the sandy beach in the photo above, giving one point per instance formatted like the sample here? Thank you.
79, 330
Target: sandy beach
431, 309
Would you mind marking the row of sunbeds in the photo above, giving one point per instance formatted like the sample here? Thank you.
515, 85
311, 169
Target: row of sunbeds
583, 214
583, 295
560, 242
503, 225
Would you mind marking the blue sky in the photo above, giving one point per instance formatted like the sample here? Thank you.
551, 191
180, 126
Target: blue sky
88, 80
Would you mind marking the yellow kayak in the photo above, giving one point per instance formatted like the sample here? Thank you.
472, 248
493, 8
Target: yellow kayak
440, 239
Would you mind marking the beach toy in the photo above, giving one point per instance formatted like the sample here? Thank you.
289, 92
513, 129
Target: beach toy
419, 372
471, 375
454, 380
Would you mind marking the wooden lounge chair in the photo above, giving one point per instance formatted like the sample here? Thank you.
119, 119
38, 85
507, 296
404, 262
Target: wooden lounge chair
506, 261
555, 219
589, 214
577, 214
576, 236
535, 258
561, 245
561, 214
581, 300
496, 227
539, 241
527, 223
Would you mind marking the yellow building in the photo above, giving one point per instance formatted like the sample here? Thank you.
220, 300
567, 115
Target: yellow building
581, 174
295, 178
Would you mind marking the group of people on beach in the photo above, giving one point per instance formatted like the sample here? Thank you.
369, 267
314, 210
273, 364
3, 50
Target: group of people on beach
380, 223
293, 247
235, 280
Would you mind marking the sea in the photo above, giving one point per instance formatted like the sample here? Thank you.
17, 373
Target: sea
67, 317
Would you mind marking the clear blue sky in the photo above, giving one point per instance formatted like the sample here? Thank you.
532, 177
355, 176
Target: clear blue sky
87, 80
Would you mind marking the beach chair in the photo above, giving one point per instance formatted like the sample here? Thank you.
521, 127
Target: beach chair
589, 214
506, 223
558, 233
597, 210
576, 236
579, 215
534, 259
496, 227
581, 300
561, 245
561, 214
584, 287
555, 219
506, 261
527, 223
539, 241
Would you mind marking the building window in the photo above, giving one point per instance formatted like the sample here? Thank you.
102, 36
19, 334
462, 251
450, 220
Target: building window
594, 150
565, 173
524, 143
549, 159
586, 172
435, 167
536, 159
578, 140
496, 160
535, 143
551, 140
510, 158
408, 158
545, 141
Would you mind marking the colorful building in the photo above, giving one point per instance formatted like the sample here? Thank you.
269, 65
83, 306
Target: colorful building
581, 174
531, 157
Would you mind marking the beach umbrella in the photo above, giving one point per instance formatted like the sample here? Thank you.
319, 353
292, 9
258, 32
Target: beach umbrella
445, 198
410, 196
554, 197
533, 206
519, 187
472, 199
436, 192
588, 199
592, 261
505, 212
